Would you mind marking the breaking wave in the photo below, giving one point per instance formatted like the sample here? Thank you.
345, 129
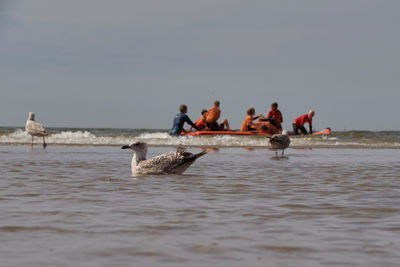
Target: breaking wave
115, 137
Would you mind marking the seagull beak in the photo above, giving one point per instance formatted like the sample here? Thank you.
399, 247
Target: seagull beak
125, 147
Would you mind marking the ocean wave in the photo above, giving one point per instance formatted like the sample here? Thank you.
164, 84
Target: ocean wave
114, 137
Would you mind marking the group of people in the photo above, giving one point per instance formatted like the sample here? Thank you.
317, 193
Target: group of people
272, 123
208, 120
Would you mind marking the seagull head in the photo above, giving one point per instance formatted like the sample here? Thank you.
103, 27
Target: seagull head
31, 116
139, 150
136, 146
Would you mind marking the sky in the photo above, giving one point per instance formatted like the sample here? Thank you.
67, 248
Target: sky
130, 64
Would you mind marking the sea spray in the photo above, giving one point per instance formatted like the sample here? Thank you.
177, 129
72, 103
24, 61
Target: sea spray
156, 137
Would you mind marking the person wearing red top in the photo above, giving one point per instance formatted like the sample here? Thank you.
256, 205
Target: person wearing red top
298, 123
201, 122
275, 116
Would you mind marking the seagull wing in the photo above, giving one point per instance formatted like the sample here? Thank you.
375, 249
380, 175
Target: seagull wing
170, 162
34, 128
161, 163
186, 160
279, 141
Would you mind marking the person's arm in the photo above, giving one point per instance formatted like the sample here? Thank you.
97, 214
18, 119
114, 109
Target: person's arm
259, 116
196, 123
189, 121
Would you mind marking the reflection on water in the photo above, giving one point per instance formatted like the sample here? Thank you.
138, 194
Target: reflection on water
320, 207
208, 148
279, 157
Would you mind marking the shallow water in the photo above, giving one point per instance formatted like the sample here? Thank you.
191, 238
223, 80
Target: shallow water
69, 206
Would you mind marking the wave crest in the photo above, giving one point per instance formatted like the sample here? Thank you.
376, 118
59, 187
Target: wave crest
114, 137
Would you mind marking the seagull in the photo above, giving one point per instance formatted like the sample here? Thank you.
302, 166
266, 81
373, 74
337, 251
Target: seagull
34, 128
279, 141
167, 163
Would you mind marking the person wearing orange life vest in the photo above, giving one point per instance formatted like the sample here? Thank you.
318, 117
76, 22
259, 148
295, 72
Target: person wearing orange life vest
213, 115
247, 124
201, 122
298, 123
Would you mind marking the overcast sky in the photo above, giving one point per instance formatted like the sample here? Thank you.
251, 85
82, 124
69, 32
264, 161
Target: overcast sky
130, 63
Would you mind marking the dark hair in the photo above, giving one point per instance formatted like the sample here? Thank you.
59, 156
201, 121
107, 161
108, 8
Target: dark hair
182, 108
216, 103
251, 111
203, 111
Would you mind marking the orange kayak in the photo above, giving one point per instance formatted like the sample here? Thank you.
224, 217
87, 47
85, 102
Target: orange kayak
326, 132
251, 133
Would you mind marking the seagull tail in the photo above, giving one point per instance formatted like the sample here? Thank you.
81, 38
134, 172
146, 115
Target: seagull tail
203, 152
187, 161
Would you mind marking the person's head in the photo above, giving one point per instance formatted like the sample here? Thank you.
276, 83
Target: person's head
183, 108
216, 103
251, 111
311, 113
274, 106
264, 127
204, 112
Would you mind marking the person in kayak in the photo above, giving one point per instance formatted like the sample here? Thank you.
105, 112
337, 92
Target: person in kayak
275, 116
298, 124
213, 115
201, 122
247, 124
180, 119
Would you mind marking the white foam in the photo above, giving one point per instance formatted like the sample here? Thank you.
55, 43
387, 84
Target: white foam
85, 137
19, 136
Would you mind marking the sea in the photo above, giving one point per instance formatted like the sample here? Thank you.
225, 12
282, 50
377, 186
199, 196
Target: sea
328, 201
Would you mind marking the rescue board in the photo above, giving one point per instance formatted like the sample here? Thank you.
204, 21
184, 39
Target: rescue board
251, 133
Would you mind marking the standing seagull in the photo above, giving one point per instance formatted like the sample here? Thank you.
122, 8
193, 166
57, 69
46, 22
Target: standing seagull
167, 163
34, 128
279, 141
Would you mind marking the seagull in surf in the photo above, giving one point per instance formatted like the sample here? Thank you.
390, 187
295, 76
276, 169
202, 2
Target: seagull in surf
167, 163
34, 128
279, 141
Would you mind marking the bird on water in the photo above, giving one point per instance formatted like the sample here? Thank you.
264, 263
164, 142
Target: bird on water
173, 162
279, 142
34, 128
